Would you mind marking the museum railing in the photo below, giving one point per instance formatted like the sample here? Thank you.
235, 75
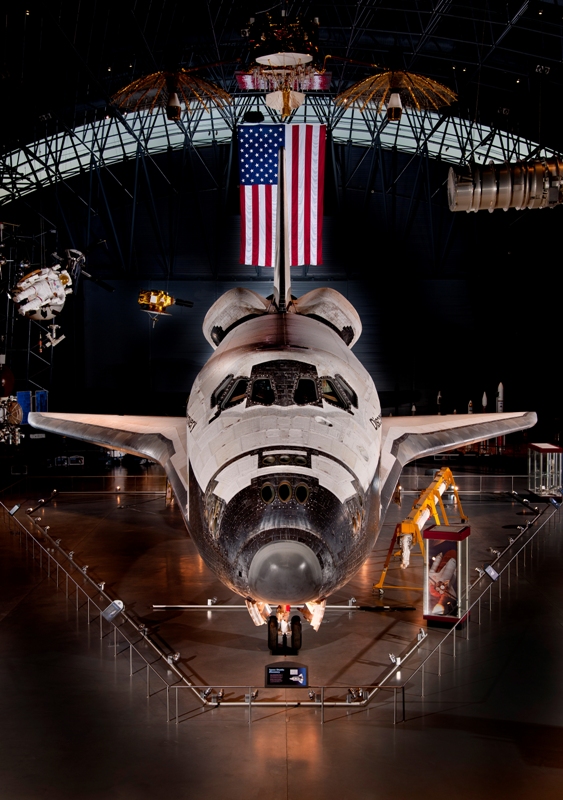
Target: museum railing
90, 595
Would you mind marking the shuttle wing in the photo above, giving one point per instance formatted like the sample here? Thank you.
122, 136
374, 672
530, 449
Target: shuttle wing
162, 439
405, 439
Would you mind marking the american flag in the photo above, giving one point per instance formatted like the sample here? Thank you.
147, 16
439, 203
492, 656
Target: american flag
258, 159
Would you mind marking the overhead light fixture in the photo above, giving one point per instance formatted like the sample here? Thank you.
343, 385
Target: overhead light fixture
395, 90
394, 107
169, 90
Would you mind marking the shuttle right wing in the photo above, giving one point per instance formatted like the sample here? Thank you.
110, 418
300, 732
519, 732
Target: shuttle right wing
405, 439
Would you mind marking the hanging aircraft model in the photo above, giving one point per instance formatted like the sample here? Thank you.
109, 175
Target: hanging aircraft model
284, 467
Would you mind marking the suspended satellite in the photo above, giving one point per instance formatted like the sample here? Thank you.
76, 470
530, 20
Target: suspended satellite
168, 90
285, 53
155, 303
395, 90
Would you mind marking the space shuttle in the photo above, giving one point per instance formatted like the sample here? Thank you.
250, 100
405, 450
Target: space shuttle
283, 467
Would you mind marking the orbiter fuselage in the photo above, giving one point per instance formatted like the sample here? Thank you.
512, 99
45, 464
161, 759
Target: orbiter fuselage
284, 442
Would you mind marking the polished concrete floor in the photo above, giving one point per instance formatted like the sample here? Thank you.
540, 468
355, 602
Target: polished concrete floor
75, 724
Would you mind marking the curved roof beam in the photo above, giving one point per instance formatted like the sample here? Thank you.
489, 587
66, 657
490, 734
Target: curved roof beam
112, 140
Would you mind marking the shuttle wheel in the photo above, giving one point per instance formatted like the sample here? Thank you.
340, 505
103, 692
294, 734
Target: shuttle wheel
296, 638
273, 633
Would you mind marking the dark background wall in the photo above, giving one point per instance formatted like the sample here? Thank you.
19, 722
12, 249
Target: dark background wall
449, 302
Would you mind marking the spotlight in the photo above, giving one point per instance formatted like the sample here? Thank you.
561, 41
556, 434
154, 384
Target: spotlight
254, 694
211, 601
58, 542
101, 586
71, 554
394, 659
220, 694
173, 108
480, 571
85, 568
394, 107
205, 694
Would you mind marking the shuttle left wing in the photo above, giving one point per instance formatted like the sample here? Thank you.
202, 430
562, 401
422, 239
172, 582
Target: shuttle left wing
162, 439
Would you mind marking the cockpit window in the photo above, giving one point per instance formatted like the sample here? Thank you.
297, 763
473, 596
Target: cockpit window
216, 395
331, 393
305, 391
348, 391
237, 393
262, 392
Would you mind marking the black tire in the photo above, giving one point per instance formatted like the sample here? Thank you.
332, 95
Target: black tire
273, 633
296, 635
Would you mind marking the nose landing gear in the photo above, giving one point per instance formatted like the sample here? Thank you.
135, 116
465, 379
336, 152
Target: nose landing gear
284, 638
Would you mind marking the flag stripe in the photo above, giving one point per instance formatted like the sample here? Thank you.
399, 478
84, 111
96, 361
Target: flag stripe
320, 193
307, 195
294, 195
243, 219
268, 259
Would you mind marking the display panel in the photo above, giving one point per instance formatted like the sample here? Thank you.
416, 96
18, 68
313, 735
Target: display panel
290, 675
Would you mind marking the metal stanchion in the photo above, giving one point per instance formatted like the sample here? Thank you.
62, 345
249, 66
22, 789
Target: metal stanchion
440, 660
177, 720
148, 682
453, 634
394, 705
422, 681
130, 660
322, 705
249, 704
167, 703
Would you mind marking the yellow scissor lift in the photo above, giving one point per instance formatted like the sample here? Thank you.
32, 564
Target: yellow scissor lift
427, 505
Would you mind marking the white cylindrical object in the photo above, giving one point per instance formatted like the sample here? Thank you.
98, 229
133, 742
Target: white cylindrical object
532, 184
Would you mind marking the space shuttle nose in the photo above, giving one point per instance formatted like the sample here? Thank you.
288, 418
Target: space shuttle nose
285, 572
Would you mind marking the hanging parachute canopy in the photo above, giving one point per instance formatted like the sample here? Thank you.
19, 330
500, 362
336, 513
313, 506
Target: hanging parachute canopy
395, 90
169, 90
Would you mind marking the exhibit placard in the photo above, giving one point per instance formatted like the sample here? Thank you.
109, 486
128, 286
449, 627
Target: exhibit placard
286, 675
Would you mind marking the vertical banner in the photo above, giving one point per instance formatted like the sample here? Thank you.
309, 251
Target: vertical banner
259, 147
